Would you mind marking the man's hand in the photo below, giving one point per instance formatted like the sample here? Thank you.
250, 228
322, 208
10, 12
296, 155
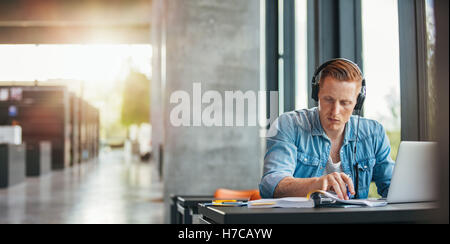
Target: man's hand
338, 182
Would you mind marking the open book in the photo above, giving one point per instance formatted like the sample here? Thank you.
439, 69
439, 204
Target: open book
326, 198
315, 198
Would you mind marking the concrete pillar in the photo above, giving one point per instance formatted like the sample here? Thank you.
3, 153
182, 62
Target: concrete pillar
157, 83
214, 43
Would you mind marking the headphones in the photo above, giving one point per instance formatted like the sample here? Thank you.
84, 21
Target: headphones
316, 87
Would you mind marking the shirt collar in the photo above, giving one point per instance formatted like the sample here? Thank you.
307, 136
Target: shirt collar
317, 129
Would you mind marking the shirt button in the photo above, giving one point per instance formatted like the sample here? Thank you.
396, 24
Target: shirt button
305, 159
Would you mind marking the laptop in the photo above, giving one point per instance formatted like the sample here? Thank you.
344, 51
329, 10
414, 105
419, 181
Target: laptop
414, 176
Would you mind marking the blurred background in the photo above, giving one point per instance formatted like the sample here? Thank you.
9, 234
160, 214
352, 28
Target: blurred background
75, 80
85, 90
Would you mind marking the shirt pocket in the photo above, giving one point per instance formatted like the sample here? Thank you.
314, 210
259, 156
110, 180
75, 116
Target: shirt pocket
365, 170
307, 165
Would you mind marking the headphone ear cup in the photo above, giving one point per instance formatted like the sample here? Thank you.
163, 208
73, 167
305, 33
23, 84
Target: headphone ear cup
315, 92
360, 101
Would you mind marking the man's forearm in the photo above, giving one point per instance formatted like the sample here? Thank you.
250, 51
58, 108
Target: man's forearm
295, 187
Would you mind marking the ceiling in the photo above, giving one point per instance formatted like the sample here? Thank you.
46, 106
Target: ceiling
75, 21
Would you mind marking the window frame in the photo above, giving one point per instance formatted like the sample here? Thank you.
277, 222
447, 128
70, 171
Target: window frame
326, 16
413, 71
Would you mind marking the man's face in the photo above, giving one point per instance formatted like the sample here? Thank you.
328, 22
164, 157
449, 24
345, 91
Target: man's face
337, 99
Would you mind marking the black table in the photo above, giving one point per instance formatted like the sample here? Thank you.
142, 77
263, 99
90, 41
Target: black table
180, 207
187, 206
392, 213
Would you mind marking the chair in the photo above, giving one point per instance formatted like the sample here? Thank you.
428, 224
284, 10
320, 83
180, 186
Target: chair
223, 193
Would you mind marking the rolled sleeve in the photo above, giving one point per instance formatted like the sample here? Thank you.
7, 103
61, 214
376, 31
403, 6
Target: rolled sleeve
281, 155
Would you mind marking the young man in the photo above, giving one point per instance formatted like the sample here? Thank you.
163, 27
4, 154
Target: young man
313, 148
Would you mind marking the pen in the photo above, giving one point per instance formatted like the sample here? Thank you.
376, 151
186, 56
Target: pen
224, 201
263, 203
348, 193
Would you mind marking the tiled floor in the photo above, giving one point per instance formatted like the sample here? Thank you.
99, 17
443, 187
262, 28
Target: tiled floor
112, 190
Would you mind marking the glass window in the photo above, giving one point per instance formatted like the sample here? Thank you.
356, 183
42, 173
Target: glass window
430, 52
280, 53
381, 68
95, 72
300, 55
301, 71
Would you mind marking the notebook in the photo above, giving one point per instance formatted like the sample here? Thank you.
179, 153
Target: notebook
285, 202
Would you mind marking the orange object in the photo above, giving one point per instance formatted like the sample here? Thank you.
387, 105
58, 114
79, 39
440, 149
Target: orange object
222, 193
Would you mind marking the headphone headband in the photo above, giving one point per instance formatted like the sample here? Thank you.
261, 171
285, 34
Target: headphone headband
316, 87
324, 65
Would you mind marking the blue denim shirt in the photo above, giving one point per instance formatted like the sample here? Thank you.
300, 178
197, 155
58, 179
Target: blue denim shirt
297, 146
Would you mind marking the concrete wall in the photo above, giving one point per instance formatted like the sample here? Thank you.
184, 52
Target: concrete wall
215, 43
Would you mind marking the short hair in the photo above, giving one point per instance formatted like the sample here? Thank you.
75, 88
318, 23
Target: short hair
341, 70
